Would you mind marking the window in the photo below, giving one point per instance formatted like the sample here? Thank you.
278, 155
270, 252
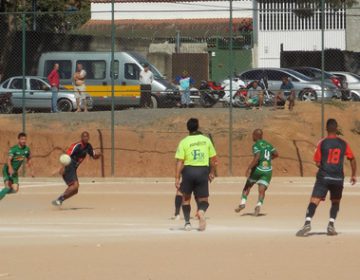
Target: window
95, 69
132, 71
16, 84
253, 75
65, 67
116, 69
38, 85
274, 75
6, 83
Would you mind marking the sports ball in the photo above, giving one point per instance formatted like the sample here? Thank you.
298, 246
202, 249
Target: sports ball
65, 159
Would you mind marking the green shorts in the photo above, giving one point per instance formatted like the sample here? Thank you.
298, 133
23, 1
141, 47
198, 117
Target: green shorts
260, 177
14, 179
254, 100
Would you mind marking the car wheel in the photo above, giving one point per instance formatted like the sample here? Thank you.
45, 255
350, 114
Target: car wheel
308, 95
355, 96
65, 105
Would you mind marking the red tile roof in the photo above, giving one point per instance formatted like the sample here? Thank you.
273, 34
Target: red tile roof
192, 28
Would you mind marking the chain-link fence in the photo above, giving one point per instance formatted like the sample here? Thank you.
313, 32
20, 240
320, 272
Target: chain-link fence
209, 59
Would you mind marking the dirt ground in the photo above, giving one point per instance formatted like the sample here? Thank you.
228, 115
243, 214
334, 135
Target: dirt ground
121, 230
145, 140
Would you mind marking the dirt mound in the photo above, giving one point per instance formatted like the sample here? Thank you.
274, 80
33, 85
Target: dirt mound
145, 140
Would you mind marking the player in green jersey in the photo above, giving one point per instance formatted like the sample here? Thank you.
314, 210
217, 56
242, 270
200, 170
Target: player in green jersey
196, 163
17, 155
259, 171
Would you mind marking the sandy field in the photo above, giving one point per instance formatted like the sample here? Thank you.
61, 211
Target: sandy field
122, 230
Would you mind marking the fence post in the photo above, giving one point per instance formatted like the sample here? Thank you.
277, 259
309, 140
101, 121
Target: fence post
231, 66
322, 67
23, 60
112, 88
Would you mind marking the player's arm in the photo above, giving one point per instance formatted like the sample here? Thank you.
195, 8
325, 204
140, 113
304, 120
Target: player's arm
9, 163
213, 168
179, 166
253, 164
274, 154
350, 156
92, 153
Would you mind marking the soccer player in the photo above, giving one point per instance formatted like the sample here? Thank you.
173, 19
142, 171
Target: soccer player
192, 175
17, 155
259, 170
329, 158
77, 152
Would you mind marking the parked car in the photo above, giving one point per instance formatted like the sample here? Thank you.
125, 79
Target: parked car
38, 94
351, 83
316, 74
306, 88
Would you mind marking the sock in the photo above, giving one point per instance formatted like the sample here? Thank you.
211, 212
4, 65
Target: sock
334, 211
61, 198
4, 192
186, 210
243, 199
260, 202
310, 212
203, 205
178, 203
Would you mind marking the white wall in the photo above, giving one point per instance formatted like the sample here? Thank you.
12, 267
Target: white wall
208, 9
269, 43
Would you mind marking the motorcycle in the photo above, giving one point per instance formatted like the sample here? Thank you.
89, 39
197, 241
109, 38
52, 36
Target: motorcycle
6, 105
239, 93
210, 93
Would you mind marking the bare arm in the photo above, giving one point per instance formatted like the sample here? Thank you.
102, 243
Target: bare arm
213, 168
353, 171
274, 154
11, 169
178, 169
253, 163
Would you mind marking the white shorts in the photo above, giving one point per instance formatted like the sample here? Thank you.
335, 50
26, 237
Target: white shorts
79, 91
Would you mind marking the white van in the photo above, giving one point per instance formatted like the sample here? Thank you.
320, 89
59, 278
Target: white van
99, 75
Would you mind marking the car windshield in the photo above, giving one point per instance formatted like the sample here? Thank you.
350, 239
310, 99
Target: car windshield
299, 75
153, 69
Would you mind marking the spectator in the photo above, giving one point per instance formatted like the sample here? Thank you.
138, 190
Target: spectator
54, 81
287, 92
79, 80
255, 95
185, 82
146, 79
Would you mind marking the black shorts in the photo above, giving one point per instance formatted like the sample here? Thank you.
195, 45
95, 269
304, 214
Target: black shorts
195, 179
323, 186
70, 175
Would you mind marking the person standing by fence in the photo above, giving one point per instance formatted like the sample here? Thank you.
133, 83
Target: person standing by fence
54, 81
79, 80
146, 79
185, 82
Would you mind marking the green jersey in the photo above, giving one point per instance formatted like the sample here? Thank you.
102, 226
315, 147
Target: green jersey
18, 155
265, 150
195, 150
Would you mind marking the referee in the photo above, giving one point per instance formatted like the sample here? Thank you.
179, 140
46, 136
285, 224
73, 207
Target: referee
194, 155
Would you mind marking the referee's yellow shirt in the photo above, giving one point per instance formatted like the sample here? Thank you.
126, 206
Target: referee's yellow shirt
195, 150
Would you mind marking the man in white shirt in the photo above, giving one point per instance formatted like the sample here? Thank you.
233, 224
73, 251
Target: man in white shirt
79, 87
146, 78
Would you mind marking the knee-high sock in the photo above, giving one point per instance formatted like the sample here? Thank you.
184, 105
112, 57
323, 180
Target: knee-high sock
186, 210
310, 211
178, 203
4, 192
334, 210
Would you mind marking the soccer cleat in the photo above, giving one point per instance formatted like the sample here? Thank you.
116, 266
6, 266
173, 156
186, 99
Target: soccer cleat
56, 203
176, 218
257, 211
239, 208
187, 227
331, 231
202, 220
304, 230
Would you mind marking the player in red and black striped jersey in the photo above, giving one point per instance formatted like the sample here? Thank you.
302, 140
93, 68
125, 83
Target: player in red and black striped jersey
329, 158
78, 152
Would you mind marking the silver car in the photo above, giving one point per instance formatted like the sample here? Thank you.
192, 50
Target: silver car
351, 82
306, 88
38, 94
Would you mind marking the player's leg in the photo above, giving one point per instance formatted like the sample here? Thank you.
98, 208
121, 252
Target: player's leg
264, 183
71, 180
201, 192
336, 191
186, 188
245, 193
7, 188
319, 193
178, 203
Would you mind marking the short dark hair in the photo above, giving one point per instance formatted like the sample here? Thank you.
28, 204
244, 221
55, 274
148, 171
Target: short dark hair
193, 125
22, 134
332, 125
146, 65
